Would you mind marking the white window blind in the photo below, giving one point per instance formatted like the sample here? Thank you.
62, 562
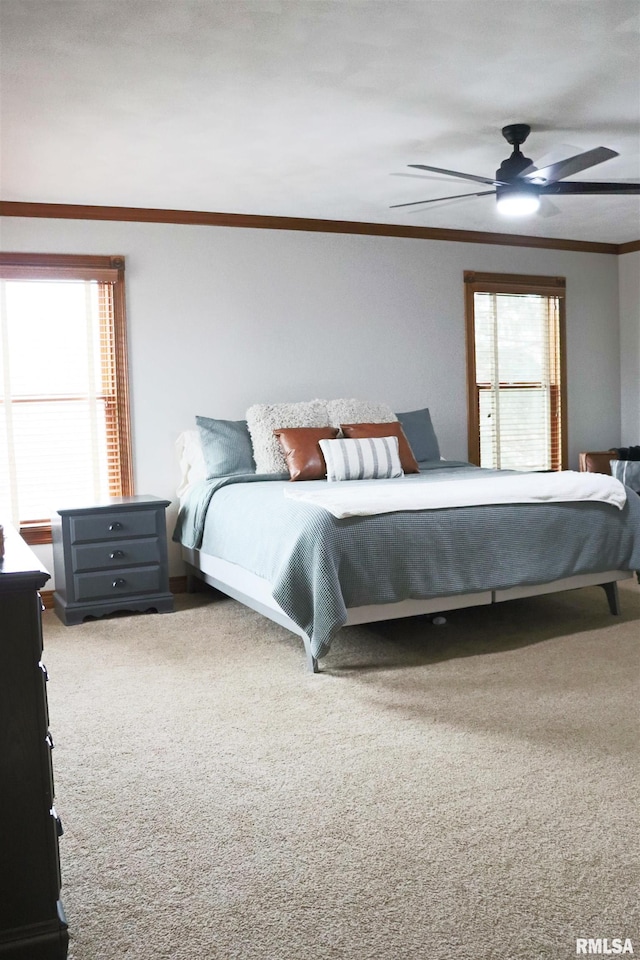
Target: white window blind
517, 389
61, 433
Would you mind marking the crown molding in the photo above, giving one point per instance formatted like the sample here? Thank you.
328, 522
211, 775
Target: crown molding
69, 211
630, 247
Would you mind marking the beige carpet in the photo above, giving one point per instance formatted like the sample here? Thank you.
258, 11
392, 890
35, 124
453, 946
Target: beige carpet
464, 792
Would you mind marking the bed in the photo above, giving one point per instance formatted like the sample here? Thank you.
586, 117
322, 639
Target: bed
290, 553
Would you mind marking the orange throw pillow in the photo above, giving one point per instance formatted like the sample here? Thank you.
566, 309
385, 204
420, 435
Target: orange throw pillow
357, 431
302, 450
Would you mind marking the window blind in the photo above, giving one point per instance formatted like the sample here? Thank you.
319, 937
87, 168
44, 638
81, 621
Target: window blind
514, 373
516, 395
63, 421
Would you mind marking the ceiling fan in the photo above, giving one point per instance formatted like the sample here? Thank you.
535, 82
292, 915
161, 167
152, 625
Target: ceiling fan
519, 184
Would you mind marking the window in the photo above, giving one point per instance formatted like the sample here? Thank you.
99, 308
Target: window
516, 371
64, 418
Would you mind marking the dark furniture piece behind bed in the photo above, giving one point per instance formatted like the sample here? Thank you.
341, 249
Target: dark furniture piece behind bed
596, 461
32, 923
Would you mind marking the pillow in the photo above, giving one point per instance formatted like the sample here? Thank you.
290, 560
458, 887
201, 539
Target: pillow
302, 452
358, 411
627, 472
264, 418
190, 459
370, 458
226, 447
358, 430
419, 432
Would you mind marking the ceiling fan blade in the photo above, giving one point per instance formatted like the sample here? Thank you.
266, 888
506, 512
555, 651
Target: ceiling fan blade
483, 193
454, 173
585, 186
564, 168
411, 176
547, 208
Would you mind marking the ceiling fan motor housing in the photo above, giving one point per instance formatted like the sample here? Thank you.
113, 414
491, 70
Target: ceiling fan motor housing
508, 172
509, 169
512, 167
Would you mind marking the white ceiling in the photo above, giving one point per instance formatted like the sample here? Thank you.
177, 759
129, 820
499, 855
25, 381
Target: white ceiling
314, 108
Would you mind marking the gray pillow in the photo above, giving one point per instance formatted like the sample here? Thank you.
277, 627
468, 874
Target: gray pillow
226, 447
419, 432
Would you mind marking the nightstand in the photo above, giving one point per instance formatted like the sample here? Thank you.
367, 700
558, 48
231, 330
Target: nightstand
109, 557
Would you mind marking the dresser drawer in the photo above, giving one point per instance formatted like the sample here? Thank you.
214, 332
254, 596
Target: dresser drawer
119, 553
120, 583
112, 526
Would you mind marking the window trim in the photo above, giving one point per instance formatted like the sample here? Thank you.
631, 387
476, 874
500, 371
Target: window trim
475, 282
61, 266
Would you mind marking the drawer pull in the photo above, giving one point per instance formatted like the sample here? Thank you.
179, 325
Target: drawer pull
49, 740
44, 669
116, 525
118, 583
116, 555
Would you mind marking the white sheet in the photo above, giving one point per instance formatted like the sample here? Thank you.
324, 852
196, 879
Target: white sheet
191, 461
357, 498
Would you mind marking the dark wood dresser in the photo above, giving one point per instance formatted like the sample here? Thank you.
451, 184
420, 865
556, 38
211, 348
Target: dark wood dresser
110, 557
32, 923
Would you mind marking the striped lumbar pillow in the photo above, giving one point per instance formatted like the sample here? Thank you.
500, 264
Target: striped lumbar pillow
370, 458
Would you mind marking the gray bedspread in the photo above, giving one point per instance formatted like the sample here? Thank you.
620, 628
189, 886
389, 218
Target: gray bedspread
319, 565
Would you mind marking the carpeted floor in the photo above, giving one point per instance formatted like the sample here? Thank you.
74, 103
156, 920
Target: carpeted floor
463, 792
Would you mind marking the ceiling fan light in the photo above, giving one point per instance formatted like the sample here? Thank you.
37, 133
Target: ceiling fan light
518, 203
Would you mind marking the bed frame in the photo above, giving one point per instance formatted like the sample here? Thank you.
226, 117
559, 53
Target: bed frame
256, 592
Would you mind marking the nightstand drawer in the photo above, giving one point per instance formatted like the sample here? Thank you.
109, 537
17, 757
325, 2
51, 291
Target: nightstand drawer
119, 583
119, 553
112, 526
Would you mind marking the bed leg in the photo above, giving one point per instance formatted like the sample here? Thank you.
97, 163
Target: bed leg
611, 590
312, 662
192, 583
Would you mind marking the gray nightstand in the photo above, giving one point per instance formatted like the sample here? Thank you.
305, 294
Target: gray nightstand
111, 556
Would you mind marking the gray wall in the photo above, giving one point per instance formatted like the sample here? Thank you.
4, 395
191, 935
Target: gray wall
629, 272
220, 318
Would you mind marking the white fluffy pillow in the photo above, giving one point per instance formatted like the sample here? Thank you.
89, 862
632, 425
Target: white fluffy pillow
358, 411
264, 418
